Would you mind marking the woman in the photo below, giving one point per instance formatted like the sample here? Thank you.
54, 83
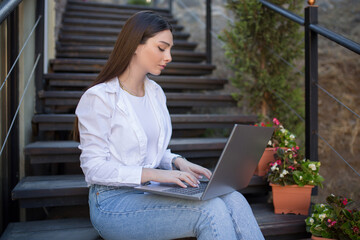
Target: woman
124, 129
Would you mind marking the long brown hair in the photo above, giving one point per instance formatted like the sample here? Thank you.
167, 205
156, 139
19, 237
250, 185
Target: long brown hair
137, 30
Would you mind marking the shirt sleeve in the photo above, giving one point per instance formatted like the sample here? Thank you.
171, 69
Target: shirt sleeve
94, 121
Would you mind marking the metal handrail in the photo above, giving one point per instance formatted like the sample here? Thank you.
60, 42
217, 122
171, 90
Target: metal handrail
341, 40
313, 28
283, 12
21, 100
6, 7
22, 49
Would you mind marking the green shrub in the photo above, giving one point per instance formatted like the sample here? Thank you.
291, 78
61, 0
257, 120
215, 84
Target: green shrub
258, 44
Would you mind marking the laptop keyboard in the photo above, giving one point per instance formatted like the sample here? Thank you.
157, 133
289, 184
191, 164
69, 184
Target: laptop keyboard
188, 190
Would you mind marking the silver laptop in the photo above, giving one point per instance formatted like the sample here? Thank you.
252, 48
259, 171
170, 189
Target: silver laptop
233, 170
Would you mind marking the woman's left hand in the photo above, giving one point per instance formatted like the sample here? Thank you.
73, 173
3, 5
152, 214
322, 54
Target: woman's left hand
194, 169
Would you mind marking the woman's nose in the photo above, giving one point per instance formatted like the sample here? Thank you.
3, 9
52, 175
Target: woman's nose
168, 56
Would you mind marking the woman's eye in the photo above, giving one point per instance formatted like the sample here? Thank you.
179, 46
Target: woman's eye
161, 49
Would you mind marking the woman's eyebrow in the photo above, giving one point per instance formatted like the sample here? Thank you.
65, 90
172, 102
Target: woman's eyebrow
165, 43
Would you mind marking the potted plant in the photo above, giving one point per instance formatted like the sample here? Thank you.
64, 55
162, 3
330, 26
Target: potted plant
292, 178
281, 137
334, 220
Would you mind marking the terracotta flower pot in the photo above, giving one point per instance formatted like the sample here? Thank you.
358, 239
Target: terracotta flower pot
291, 199
321, 238
263, 165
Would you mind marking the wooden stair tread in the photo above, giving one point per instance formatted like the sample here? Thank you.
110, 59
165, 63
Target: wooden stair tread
102, 23
175, 118
74, 185
95, 65
179, 144
96, 52
159, 79
108, 49
85, 15
277, 224
72, 40
89, 31
122, 12
82, 80
59, 229
103, 61
172, 96
109, 16
41, 152
184, 125
125, 9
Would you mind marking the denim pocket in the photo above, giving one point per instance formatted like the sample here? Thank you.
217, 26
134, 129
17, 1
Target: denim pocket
109, 198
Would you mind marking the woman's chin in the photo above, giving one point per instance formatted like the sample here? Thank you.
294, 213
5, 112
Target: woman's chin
156, 73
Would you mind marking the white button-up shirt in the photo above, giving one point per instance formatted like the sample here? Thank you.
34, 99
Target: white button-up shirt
113, 142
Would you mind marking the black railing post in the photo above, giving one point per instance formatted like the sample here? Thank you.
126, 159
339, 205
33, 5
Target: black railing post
39, 49
11, 208
311, 79
208, 31
170, 6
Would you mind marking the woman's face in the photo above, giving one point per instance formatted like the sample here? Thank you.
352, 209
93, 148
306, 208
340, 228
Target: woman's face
153, 56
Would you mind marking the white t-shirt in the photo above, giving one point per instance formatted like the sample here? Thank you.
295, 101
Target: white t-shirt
147, 119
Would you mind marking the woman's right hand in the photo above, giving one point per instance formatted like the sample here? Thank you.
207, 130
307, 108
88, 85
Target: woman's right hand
169, 176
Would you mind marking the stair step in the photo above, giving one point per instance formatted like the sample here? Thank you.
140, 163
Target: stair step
111, 32
67, 190
113, 8
103, 16
275, 225
96, 52
81, 228
103, 23
95, 65
59, 229
82, 80
66, 101
64, 122
67, 151
69, 39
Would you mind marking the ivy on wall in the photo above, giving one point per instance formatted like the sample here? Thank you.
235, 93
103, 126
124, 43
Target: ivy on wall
262, 47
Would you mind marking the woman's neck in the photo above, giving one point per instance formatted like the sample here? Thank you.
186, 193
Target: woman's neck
133, 82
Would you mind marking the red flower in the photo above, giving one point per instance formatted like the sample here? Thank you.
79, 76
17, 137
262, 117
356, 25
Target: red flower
345, 201
256, 125
297, 148
263, 124
292, 167
276, 121
355, 229
278, 162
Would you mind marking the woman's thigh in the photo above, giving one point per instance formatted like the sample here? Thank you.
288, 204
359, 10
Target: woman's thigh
244, 220
124, 213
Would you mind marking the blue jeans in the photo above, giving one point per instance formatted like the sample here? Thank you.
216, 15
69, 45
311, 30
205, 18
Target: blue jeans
125, 213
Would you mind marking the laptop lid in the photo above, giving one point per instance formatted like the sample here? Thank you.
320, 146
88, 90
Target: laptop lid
234, 168
239, 159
